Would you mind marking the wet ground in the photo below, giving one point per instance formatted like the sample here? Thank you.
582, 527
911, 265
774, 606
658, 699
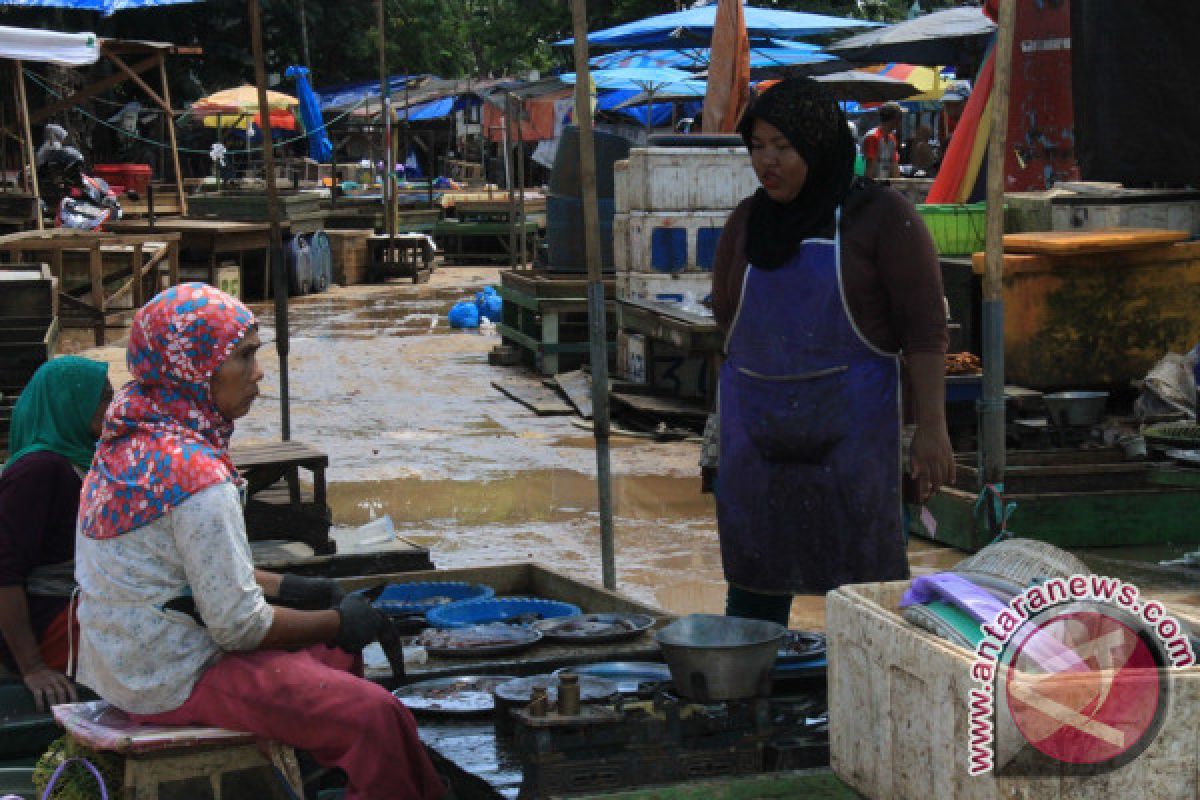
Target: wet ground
404, 407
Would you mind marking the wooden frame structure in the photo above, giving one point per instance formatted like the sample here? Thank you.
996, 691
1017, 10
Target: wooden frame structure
121, 54
147, 252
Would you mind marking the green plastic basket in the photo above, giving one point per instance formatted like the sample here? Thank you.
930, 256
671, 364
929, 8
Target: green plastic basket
957, 229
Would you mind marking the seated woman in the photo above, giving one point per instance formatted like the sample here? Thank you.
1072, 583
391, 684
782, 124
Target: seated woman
55, 424
161, 534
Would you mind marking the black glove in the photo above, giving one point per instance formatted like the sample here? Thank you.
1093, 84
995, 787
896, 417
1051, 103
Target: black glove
361, 623
309, 594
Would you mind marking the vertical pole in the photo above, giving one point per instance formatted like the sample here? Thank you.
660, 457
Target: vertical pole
510, 103
389, 165
521, 242
304, 35
279, 281
170, 120
23, 102
992, 405
597, 334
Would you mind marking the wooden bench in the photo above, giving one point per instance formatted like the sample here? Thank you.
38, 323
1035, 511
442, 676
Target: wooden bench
162, 754
410, 255
276, 507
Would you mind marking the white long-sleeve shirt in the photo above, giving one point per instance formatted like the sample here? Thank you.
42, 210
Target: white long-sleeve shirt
140, 657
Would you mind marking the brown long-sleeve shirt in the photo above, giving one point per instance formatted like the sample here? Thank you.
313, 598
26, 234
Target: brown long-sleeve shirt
890, 271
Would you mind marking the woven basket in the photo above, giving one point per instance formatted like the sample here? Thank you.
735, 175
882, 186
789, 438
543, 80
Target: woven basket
1022, 561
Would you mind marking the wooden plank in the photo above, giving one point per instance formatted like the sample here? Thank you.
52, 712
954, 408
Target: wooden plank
658, 405
1096, 241
577, 386
534, 396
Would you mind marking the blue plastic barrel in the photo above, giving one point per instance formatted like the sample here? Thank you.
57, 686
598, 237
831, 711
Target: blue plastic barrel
322, 261
298, 255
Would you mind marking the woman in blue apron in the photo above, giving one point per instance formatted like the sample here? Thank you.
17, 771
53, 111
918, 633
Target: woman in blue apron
809, 482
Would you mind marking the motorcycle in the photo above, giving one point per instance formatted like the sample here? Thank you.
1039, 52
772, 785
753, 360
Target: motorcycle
82, 201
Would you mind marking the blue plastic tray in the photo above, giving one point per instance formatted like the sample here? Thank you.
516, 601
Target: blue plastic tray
498, 609
417, 598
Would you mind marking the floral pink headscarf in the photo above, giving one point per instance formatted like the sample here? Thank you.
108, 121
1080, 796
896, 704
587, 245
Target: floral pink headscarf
164, 439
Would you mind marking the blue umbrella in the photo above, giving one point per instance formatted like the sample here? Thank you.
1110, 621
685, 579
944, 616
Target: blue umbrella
105, 7
772, 53
638, 78
320, 149
693, 28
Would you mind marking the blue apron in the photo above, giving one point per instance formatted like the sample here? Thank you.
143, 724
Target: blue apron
808, 496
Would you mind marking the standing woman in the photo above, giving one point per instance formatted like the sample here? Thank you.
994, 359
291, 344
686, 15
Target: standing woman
821, 281
55, 424
176, 625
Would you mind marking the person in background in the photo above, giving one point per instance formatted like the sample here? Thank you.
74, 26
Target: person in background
881, 145
921, 154
821, 281
954, 100
176, 625
55, 424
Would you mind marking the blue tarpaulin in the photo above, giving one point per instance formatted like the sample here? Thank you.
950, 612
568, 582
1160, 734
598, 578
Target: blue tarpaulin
693, 28
105, 7
437, 109
320, 149
660, 113
348, 95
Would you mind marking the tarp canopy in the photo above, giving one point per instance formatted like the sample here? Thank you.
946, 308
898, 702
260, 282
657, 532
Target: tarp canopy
660, 113
440, 108
105, 7
348, 95
49, 47
928, 80
693, 28
953, 36
238, 107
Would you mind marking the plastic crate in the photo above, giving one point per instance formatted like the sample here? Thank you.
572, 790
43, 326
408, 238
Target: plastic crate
957, 229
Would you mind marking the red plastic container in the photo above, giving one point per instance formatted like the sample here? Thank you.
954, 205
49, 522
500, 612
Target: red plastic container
124, 177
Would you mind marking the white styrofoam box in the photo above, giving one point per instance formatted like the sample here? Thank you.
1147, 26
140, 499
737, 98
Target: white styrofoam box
688, 178
668, 241
620, 233
655, 288
631, 356
621, 186
1181, 215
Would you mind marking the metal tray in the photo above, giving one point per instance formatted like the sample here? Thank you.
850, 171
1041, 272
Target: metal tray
467, 694
594, 628
628, 675
477, 640
519, 690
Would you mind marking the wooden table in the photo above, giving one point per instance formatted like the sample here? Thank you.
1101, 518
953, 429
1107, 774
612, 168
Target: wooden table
128, 262
404, 255
546, 316
275, 512
205, 241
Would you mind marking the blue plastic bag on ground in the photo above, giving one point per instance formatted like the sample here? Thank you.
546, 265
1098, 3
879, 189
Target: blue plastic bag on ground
464, 314
490, 304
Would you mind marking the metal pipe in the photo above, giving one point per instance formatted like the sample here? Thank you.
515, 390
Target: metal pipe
27, 133
597, 335
389, 164
991, 411
278, 273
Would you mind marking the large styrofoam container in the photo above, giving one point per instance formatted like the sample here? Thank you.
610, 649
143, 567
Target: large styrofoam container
1079, 213
685, 178
667, 241
656, 288
899, 717
621, 186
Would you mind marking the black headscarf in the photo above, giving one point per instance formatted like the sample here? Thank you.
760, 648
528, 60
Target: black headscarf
814, 124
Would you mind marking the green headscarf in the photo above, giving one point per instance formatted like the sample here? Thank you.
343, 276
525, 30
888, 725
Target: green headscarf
54, 412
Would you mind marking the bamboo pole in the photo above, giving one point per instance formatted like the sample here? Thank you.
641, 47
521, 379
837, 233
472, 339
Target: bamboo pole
992, 405
279, 281
510, 178
27, 134
597, 334
170, 119
389, 161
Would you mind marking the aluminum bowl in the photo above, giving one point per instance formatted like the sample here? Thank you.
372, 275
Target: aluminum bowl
1075, 409
714, 658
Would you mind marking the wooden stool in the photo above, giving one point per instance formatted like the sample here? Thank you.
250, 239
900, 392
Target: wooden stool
160, 754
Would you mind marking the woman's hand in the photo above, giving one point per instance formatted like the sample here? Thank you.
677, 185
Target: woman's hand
49, 687
931, 459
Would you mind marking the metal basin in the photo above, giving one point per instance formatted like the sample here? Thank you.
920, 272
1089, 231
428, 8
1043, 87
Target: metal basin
1075, 409
715, 658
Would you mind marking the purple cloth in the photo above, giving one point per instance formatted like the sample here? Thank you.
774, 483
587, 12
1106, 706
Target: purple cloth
39, 500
